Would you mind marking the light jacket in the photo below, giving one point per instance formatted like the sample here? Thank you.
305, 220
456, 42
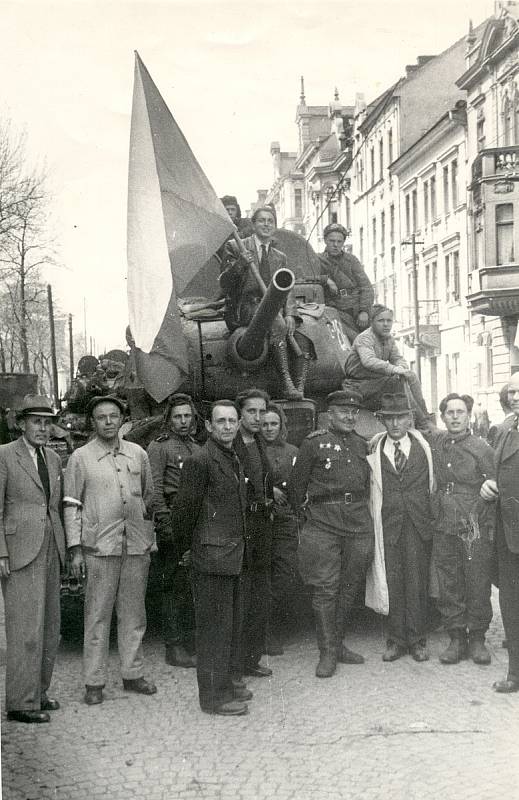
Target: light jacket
377, 595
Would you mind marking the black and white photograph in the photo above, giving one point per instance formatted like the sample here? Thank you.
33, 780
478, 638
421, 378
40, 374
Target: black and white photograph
259, 400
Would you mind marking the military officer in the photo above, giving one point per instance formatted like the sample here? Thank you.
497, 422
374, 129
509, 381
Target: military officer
167, 455
336, 540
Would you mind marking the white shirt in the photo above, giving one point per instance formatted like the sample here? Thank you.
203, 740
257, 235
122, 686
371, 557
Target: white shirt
389, 447
32, 452
259, 245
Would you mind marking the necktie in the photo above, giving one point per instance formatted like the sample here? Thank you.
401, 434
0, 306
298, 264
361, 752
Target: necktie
264, 265
43, 472
400, 458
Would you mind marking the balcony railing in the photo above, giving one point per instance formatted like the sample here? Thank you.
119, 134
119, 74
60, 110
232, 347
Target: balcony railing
496, 162
429, 314
494, 290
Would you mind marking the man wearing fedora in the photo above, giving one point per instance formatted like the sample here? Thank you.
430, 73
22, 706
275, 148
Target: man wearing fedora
401, 485
336, 540
108, 500
32, 545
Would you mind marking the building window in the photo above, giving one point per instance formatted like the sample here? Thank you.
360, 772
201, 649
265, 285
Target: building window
485, 361
375, 275
434, 280
452, 278
382, 232
480, 133
298, 202
361, 244
360, 175
506, 117
372, 164
414, 203
390, 145
408, 214
381, 157
516, 116
479, 255
348, 212
446, 204
392, 223
454, 183
427, 281
433, 197
505, 233
426, 203
393, 250
374, 235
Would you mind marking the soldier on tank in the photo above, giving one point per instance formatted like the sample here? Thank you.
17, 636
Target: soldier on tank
346, 286
374, 366
243, 294
336, 540
167, 455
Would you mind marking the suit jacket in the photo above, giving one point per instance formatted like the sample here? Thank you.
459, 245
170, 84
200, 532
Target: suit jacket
507, 469
241, 451
406, 494
209, 512
241, 289
23, 506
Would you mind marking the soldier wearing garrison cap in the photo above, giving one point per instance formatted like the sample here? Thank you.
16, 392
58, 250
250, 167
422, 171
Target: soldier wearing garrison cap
336, 540
346, 286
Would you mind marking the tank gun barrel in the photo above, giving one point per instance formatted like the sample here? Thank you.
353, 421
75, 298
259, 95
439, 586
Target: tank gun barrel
251, 343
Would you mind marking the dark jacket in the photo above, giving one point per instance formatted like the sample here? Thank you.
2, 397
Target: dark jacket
507, 475
406, 495
209, 511
242, 453
242, 293
355, 289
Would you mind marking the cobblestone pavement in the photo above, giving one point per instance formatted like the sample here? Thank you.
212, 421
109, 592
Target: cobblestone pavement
401, 730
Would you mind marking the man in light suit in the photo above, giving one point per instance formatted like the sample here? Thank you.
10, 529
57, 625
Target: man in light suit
243, 294
32, 544
505, 489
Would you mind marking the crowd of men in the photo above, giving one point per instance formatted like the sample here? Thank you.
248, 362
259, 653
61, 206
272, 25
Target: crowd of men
239, 520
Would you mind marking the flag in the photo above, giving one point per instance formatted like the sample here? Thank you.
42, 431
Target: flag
175, 224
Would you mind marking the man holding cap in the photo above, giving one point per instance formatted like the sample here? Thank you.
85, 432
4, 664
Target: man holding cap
336, 541
32, 544
346, 286
402, 482
108, 499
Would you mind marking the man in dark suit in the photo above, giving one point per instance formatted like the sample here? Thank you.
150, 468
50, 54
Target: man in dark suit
495, 430
505, 489
402, 480
32, 544
243, 294
251, 450
209, 516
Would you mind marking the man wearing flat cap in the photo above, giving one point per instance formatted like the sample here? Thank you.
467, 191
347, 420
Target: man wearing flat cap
336, 540
346, 286
401, 485
109, 527
32, 545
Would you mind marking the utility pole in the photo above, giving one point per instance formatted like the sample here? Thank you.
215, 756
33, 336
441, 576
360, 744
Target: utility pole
54, 361
70, 349
416, 306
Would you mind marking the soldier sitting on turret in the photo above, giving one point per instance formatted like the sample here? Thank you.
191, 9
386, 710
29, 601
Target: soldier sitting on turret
243, 294
346, 286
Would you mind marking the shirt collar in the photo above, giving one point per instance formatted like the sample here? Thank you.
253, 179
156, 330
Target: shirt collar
102, 450
259, 244
30, 447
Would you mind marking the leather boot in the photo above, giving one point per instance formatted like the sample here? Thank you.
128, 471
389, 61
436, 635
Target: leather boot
280, 353
177, 656
344, 654
477, 649
301, 368
457, 648
326, 640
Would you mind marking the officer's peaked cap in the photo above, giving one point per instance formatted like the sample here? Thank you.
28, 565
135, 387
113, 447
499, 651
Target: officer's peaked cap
340, 398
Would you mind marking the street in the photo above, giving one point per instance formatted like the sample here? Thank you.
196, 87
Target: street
400, 730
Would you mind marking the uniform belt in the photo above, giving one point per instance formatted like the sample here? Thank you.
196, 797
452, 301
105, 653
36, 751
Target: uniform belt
346, 497
458, 488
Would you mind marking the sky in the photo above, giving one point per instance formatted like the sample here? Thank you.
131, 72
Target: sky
230, 74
